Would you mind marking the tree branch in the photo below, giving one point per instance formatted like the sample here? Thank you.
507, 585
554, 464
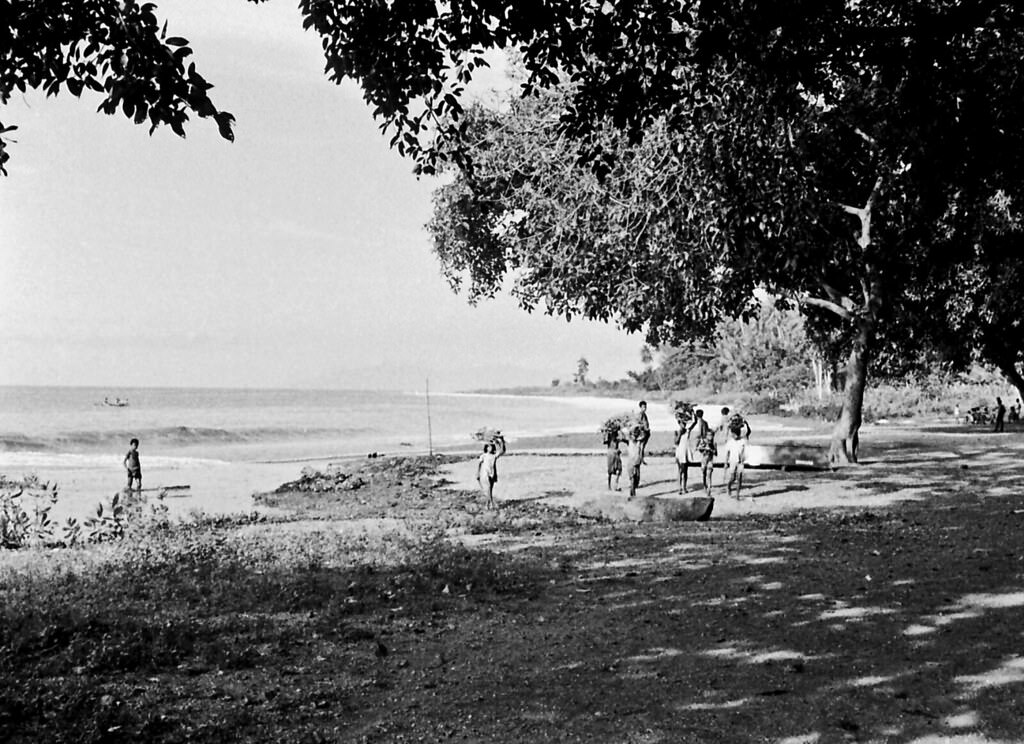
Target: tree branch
832, 307
865, 136
834, 294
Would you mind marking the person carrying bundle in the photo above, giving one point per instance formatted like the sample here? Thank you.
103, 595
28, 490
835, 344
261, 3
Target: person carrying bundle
737, 435
614, 458
487, 467
695, 444
634, 458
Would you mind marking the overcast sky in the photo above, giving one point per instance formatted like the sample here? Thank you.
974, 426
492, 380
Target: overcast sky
294, 257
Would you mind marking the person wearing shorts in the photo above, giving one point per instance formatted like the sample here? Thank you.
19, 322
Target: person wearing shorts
695, 446
132, 465
738, 433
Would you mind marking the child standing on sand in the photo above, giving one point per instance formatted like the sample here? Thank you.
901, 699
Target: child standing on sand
738, 433
487, 467
645, 433
634, 458
614, 458
699, 448
132, 465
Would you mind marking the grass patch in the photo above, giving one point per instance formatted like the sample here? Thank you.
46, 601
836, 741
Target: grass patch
194, 600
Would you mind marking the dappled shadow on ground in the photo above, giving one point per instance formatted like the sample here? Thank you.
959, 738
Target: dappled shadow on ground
228, 635
881, 627
895, 622
901, 471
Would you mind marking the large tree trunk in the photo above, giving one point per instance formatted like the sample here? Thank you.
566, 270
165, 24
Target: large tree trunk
846, 435
1009, 368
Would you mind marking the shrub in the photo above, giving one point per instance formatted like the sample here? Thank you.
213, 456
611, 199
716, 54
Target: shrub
763, 404
25, 516
25, 512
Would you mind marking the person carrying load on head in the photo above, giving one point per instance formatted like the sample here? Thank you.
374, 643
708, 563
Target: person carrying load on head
737, 436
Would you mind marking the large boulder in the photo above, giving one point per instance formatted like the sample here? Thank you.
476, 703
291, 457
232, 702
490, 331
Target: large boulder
683, 509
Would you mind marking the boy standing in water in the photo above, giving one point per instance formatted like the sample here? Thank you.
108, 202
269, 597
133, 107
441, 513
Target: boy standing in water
132, 465
487, 467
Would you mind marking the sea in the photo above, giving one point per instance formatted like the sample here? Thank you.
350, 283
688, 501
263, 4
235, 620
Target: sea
226, 444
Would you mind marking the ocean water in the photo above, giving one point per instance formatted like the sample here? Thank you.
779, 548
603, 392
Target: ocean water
227, 443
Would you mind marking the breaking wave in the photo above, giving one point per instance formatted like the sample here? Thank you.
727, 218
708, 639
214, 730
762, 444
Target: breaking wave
180, 436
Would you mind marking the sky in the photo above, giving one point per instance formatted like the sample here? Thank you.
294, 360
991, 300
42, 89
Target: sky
294, 257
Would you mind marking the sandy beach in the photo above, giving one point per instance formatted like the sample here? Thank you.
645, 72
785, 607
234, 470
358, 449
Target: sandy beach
568, 469
900, 462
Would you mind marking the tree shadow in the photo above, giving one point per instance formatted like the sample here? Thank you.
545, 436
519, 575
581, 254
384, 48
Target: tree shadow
879, 627
764, 493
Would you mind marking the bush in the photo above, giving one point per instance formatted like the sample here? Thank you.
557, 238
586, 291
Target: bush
826, 410
888, 401
763, 405
25, 512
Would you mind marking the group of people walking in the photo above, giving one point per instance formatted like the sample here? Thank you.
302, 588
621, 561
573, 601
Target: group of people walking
696, 444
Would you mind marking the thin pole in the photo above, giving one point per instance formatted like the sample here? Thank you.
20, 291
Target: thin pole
430, 433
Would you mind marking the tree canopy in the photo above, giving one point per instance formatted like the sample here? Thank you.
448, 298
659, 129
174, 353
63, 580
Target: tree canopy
116, 48
842, 154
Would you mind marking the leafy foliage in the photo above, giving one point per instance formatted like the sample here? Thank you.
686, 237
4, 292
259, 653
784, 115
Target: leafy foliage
25, 512
618, 426
676, 155
682, 411
835, 153
983, 298
115, 48
25, 521
641, 246
769, 353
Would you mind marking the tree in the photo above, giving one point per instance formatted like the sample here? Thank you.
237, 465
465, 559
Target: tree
983, 298
665, 242
115, 48
840, 154
836, 153
768, 353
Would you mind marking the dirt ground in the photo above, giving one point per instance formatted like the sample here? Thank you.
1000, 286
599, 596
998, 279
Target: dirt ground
879, 603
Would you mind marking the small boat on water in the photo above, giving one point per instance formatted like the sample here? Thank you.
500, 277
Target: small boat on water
116, 403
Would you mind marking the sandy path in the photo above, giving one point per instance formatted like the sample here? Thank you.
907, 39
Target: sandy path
910, 465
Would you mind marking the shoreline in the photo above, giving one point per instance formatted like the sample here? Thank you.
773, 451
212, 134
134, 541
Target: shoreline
220, 486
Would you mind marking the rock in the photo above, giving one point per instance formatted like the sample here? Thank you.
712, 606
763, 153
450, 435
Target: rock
618, 509
686, 509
